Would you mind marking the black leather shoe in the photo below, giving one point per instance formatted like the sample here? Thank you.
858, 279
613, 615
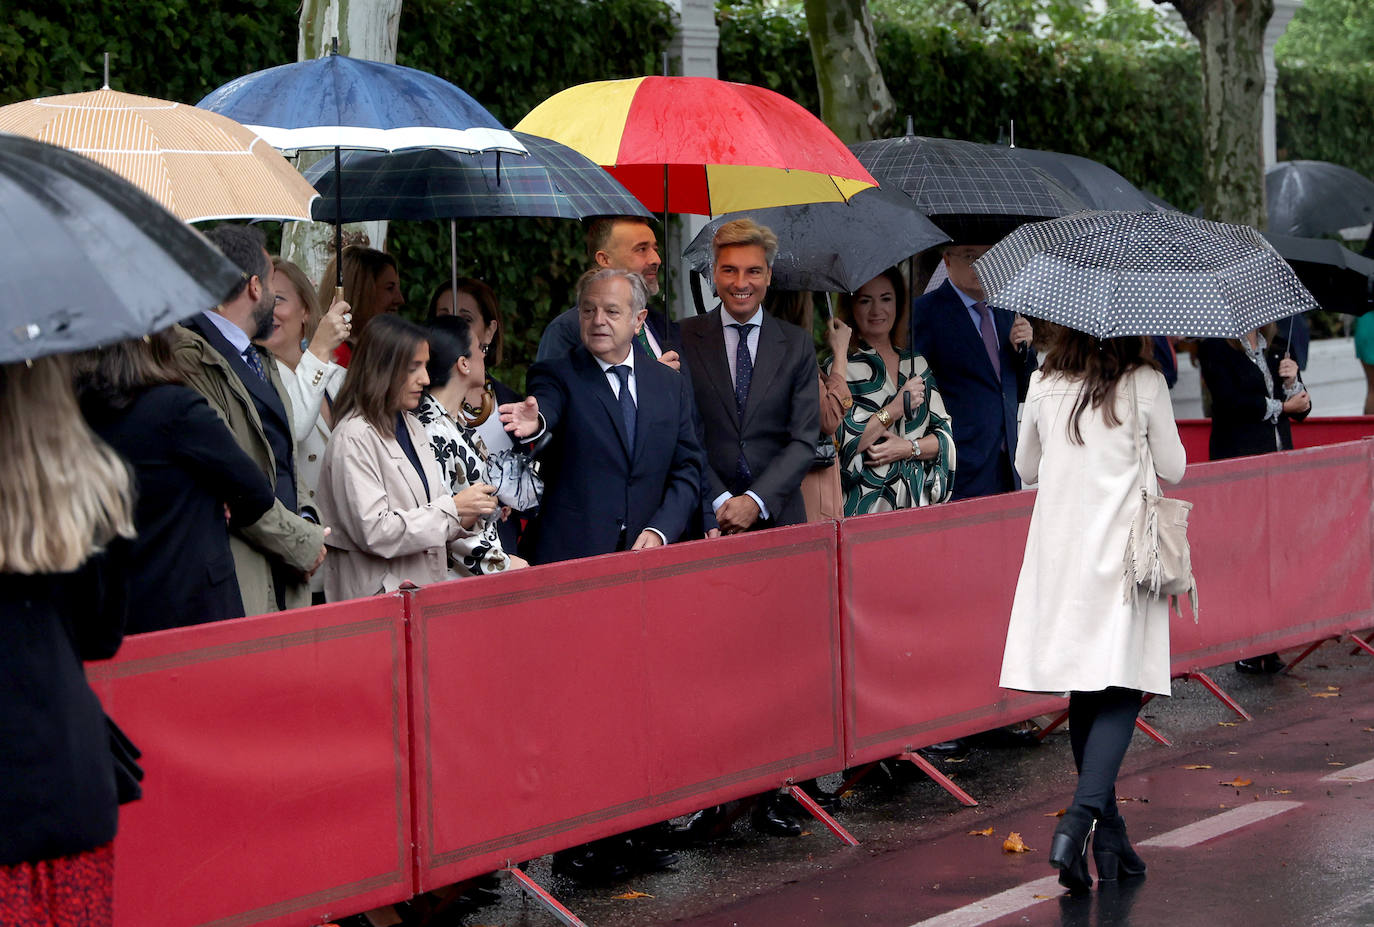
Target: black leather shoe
1260, 666
1112, 851
944, 749
1069, 849
590, 864
1005, 738
641, 856
772, 817
707, 824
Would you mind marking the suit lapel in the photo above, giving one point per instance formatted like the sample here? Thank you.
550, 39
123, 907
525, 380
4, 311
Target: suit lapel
261, 390
717, 367
402, 462
966, 331
767, 362
655, 391
599, 385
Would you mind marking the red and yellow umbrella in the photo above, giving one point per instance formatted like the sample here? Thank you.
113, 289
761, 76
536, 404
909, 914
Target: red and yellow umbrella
716, 146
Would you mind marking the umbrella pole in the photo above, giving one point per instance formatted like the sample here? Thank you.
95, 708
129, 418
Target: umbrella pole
453, 263
663, 265
338, 220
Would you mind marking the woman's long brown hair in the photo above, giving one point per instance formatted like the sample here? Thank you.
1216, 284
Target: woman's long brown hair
377, 372
1099, 364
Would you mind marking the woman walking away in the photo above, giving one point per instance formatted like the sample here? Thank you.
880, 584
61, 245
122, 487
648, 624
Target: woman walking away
64, 496
1074, 627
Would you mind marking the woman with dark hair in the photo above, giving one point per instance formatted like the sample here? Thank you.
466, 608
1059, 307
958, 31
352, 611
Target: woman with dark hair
65, 503
457, 378
890, 459
1074, 626
371, 286
187, 470
381, 490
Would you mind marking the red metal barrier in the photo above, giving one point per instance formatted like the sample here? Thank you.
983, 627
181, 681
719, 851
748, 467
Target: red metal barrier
1315, 432
927, 595
277, 760
568, 702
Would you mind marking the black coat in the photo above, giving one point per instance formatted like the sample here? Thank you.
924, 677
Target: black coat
981, 406
1238, 401
58, 793
599, 493
187, 467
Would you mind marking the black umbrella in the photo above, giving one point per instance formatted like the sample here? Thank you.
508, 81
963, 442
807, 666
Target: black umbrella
1113, 274
1338, 277
976, 193
832, 247
89, 259
1095, 184
554, 181
1310, 199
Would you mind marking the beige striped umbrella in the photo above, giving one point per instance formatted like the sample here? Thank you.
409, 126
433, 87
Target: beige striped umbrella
198, 164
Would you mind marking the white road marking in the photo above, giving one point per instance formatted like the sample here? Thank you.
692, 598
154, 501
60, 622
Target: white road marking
1361, 772
1193, 834
999, 905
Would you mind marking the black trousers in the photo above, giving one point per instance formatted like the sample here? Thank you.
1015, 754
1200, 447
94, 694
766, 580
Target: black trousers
1100, 729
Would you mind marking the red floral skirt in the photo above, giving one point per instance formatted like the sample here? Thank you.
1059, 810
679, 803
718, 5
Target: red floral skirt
70, 891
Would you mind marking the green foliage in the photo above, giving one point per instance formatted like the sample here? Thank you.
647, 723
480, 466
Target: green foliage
1329, 31
1322, 113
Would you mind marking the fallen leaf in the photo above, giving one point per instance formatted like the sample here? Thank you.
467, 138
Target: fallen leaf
1283, 791
1333, 688
1042, 896
631, 896
1335, 764
1197, 766
981, 833
1014, 844
1369, 730
1238, 783
1059, 813
948, 759
1226, 724
1326, 695
805, 833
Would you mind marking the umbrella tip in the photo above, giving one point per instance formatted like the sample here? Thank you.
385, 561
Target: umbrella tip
106, 85
910, 125
334, 45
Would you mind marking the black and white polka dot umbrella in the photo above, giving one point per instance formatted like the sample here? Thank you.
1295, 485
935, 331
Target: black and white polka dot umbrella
1112, 274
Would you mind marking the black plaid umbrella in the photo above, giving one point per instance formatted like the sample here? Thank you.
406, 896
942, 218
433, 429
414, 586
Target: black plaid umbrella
832, 247
1315, 198
1112, 274
976, 193
554, 182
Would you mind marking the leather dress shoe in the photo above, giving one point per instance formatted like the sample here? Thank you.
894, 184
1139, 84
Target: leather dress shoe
772, 817
707, 824
643, 856
590, 863
1005, 737
944, 749
1259, 666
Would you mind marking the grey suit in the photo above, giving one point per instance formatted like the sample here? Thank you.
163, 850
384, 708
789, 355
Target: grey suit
781, 419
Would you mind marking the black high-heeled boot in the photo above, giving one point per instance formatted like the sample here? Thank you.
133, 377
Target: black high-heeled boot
1113, 853
1069, 849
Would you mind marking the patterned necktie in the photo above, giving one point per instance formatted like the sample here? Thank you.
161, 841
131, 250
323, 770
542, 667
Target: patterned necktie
744, 375
254, 362
989, 333
643, 339
627, 402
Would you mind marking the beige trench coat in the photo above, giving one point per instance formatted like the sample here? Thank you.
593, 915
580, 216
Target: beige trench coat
386, 528
1071, 627
280, 534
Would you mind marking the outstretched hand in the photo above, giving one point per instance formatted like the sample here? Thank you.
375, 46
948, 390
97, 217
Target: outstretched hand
521, 419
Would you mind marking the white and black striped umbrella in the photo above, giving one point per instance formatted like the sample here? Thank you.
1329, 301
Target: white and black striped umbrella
1113, 274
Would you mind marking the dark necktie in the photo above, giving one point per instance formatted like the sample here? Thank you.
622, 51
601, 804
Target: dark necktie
744, 374
989, 333
643, 339
627, 402
254, 362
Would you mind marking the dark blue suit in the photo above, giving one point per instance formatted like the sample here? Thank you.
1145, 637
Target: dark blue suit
599, 493
981, 406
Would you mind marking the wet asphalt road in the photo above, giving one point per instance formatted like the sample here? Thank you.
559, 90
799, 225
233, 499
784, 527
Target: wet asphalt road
917, 863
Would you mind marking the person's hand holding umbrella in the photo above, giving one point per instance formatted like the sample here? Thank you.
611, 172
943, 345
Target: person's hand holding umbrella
334, 329
1299, 402
1021, 333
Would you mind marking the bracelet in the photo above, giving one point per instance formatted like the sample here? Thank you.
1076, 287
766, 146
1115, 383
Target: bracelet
915, 450
884, 417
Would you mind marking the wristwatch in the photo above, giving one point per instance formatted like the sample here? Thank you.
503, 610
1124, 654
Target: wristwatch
883, 416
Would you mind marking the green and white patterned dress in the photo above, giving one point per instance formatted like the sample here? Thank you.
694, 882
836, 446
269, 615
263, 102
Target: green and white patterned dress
906, 483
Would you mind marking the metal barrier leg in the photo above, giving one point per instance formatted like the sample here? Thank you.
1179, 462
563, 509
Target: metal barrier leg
1044, 731
1222, 697
1150, 732
943, 781
820, 814
1311, 648
536, 891
1363, 644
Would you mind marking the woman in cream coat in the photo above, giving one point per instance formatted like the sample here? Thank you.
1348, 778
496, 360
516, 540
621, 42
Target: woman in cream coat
1073, 627
381, 490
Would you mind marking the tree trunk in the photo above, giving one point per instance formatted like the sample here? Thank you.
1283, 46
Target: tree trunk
367, 29
855, 102
1231, 33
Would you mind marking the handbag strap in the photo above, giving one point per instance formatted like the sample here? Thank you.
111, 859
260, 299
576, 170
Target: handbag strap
1135, 432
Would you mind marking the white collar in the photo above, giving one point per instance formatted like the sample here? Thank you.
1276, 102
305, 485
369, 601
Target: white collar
726, 319
629, 361
231, 332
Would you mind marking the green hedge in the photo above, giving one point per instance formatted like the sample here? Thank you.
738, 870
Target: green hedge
1324, 114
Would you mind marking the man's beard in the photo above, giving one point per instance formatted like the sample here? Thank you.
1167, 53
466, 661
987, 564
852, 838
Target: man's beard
262, 315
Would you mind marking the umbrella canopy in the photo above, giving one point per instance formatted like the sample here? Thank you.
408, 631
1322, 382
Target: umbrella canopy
1337, 277
1095, 184
1112, 274
342, 102
711, 145
1310, 199
554, 181
977, 193
95, 259
198, 165
833, 247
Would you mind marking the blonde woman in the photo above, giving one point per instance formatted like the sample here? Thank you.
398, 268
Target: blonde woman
64, 496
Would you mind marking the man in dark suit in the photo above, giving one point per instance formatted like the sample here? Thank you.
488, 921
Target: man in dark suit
982, 360
624, 243
622, 471
754, 378
623, 466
